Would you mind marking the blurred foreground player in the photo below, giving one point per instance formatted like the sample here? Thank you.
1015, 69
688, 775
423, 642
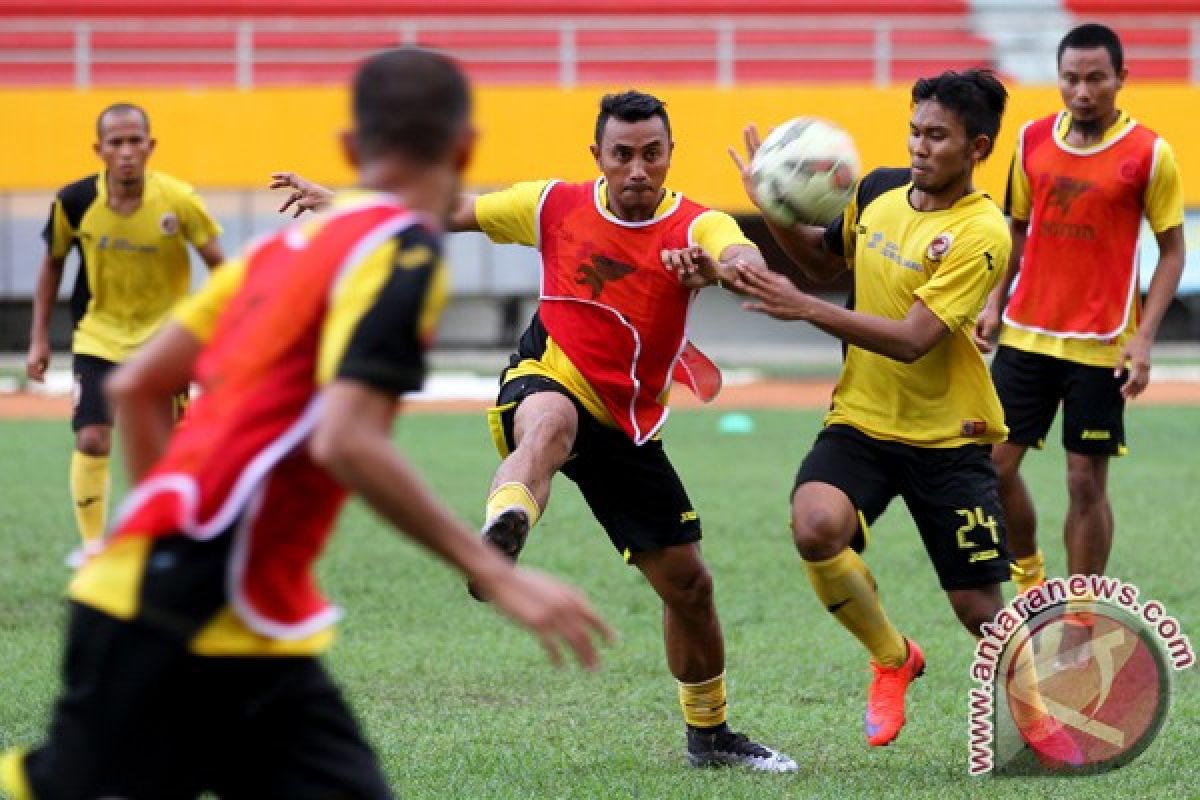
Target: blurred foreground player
190, 661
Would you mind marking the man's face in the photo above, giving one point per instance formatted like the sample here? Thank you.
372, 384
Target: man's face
124, 145
634, 158
1089, 83
938, 148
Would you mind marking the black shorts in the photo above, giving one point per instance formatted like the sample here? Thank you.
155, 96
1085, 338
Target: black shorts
952, 494
89, 406
141, 718
1032, 385
634, 491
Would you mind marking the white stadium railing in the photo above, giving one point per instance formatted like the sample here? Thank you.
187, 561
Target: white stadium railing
562, 52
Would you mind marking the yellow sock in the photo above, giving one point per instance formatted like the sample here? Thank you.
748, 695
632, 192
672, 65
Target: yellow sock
1029, 571
12, 775
703, 703
508, 496
89, 494
847, 589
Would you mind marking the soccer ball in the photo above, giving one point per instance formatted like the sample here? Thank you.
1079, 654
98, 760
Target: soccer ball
805, 171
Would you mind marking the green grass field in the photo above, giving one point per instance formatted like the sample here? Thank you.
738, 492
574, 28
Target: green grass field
461, 704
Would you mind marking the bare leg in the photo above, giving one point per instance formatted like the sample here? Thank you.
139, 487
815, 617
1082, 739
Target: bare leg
691, 628
974, 607
1088, 530
1020, 517
544, 429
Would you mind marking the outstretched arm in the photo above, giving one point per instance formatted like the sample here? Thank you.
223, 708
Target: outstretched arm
353, 441
904, 340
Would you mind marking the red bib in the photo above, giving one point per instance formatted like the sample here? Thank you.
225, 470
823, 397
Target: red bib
1079, 271
616, 312
240, 455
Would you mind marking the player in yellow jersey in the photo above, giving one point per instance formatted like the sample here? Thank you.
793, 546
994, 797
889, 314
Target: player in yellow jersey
132, 228
585, 394
914, 413
1074, 332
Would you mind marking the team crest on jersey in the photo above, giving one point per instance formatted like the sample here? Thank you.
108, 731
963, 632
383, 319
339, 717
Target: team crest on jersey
1065, 191
939, 246
169, 224
600, 271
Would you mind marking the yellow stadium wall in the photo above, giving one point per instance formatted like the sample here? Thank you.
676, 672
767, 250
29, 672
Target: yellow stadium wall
231, 138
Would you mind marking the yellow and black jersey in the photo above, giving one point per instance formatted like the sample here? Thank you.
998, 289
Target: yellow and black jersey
134, 267
355, 295
949, 260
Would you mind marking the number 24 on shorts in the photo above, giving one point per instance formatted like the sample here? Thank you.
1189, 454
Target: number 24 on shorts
972, 519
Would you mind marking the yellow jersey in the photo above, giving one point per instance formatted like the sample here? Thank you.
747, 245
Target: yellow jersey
510, 216
949, 260
134, 267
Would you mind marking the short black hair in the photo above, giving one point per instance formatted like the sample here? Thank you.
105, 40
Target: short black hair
631, 106
120, 108
976, 95
1091, 35
409, 101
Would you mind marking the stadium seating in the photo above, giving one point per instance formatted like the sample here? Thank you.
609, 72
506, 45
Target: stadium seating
343, 8
197, 42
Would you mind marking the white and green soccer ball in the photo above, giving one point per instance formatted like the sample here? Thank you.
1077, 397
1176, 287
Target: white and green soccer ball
805, 171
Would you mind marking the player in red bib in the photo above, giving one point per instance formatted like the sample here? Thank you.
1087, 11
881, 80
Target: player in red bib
191, 654
1074, 330
586, 392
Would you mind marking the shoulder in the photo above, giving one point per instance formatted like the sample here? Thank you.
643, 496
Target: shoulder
169, 185
983, 226
77, 197
880, 181
417, 246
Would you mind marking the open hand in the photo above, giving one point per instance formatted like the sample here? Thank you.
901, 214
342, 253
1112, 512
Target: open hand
305, 195
558, 615
753, 142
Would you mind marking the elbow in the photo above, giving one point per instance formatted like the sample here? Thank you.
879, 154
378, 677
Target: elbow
908, 352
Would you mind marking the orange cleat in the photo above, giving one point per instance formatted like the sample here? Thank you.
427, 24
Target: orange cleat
1050, 742
885, 697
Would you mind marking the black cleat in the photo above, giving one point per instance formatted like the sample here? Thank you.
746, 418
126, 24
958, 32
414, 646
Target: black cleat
507, 533
724, 748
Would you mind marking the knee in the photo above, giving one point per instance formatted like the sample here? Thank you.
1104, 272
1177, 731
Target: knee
1007, 462
551, 433
816, 532
1084, 485
94, 440
692, 590
974, 611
